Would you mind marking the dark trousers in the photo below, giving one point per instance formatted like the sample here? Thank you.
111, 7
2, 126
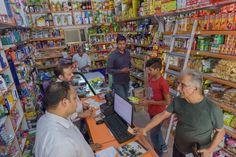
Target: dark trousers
177, 153
121, 89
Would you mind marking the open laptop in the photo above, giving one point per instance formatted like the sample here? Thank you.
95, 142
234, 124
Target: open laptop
119, 121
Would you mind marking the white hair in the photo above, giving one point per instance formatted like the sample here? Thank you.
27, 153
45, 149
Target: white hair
196, 77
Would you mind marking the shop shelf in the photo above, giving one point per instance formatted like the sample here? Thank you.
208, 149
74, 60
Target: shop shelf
138, 56
61, 12
6, 25
182, 36
52, 48
216, 32
224, 106
81, 10
230, 131
135, 18
41, 12
173, 67
214, 55
100, 34
134, 33
218, 80
141, 45
14, 105
46, 67
137, 77
42, 27
176, 54
172, 72
102, 23
3, 120
48, 57
45, 39
8, 88
103, 43
101, 51
6, 47
4, 69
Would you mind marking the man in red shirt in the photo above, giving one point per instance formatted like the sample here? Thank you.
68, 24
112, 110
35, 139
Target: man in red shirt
157, 99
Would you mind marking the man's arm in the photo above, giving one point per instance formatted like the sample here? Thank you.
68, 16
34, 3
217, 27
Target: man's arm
156, 120
218, 137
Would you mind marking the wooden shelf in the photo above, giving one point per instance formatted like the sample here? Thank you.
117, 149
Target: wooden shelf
61, 12
173, 67
42, 12
100, 51
6, 47
225, 107
141, 45
134, 33
103, 23
214, 55
220, 81
203, 53
19, 121
137, 77
216, 32
4, 69
103, 43
48, 57
135, 18
6, 25
8, 89
229, 132
82, 10
141, 57
46, 67
23, 142
42, 27
52, 48
45, 39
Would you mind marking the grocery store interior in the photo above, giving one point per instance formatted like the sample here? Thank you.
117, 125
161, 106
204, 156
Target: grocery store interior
150, 78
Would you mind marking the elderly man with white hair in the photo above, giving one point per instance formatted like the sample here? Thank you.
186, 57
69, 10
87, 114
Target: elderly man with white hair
198, 118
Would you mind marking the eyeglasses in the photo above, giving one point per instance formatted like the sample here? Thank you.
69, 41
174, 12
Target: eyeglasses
182, 85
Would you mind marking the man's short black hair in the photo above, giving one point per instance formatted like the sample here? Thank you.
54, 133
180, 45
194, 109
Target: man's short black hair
56, 92
64, 64
154, 63
120, 38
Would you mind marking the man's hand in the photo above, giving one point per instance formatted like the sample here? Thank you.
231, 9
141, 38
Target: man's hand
140, 131
95, 146
86, 113
125, 70
85, 106
205, 152
144, 102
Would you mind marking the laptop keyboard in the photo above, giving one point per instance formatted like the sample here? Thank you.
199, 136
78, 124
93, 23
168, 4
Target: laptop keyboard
118, 128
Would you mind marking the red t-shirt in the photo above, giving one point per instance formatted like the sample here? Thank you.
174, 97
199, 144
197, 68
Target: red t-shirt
157, 89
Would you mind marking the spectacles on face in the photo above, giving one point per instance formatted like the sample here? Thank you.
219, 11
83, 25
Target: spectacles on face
182, 85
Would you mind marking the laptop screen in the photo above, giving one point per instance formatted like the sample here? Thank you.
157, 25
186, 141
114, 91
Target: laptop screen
124, 109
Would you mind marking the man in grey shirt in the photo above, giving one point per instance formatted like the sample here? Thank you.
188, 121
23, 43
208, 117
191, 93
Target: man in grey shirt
119, 66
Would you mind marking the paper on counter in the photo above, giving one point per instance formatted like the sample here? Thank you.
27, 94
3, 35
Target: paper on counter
94, 103
108, 152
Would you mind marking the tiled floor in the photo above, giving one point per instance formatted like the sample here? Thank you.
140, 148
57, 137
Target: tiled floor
141, 118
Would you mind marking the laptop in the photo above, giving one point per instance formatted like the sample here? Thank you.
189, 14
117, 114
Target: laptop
120, 119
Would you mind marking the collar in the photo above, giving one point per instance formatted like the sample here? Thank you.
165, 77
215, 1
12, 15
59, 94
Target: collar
62, 121
58, 80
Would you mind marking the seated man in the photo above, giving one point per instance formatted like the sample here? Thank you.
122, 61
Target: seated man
56, 135
64, 72
82, 60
